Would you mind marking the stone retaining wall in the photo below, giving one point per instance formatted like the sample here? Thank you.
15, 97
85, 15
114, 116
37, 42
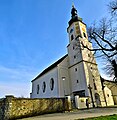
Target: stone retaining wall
1, 108
12, 108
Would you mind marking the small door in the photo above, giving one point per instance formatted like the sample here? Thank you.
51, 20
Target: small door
97, 98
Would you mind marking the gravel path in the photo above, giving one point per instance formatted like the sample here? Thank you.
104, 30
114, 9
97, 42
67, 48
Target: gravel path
76, 114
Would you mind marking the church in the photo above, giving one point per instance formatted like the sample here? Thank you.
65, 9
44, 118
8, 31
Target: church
76, 73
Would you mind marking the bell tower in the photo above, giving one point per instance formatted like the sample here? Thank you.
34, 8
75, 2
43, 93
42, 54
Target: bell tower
84, 75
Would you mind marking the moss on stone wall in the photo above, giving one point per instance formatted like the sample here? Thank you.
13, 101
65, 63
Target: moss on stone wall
24, 107
1, 108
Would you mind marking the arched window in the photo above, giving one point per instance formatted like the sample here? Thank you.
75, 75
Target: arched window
51, 83
97, 98
38, 89
95, 86
44, 87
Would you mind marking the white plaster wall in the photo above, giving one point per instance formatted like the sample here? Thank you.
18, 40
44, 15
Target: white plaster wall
112, 86
64, 85
108, 95
74, 52
48, 93
78, 75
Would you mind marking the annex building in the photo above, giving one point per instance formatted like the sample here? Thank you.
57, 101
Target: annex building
76, 73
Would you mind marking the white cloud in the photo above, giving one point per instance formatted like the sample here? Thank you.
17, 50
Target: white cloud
16, 89
106, 76
21, 72
16, 81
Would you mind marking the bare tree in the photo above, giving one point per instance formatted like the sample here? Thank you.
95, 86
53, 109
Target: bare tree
104, 39
113, 6
111, 68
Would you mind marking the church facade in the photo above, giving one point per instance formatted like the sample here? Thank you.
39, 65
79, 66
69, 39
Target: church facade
76, 73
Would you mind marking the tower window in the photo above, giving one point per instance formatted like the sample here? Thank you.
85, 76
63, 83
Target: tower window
84, 34
74, 56
71, 30
77, 81
38, 89
73, 48
95, 86
72, 37
75, 69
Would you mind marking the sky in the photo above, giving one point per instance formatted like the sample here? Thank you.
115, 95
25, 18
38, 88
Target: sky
33, 35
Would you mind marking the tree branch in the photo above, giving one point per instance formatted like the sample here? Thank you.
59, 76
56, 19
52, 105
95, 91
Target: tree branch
102, 48
104, 40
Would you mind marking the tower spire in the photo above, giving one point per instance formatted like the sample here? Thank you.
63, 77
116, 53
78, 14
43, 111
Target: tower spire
73, 11
74, 16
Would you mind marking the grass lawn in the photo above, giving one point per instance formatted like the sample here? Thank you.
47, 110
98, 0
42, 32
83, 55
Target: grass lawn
110, 117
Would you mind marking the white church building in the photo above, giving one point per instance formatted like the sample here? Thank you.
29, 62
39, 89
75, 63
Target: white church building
76, 73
